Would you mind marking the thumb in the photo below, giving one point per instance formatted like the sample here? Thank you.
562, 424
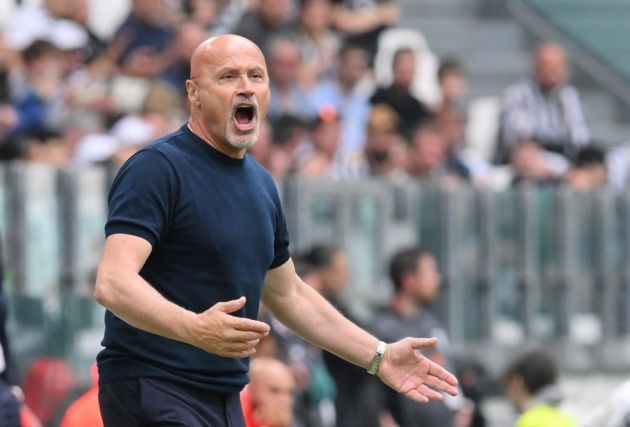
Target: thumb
230, 306
420, 343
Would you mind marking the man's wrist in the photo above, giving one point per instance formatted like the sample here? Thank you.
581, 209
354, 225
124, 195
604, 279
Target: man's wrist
379, 353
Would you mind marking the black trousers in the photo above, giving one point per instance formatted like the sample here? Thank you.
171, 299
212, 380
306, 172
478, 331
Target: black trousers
145, 402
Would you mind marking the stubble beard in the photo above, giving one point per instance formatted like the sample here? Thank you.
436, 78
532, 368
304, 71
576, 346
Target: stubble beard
242, 141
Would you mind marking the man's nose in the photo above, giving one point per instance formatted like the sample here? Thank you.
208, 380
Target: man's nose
245, 86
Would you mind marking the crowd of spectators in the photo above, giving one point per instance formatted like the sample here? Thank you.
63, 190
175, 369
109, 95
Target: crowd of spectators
68, 96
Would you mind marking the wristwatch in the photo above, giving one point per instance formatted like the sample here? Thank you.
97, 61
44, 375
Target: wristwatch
378, 356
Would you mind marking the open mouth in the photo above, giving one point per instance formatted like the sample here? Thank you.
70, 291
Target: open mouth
244, 116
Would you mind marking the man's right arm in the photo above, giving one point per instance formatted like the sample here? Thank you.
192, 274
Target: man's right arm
121, 289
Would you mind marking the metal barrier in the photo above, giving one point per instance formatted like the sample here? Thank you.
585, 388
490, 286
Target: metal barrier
530, 265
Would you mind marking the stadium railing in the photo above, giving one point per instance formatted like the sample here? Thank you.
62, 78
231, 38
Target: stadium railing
520, 267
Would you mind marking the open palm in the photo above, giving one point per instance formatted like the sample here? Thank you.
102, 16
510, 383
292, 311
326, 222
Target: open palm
408, 372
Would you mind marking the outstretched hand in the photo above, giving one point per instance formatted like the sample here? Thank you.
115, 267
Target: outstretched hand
407, 371
217, 331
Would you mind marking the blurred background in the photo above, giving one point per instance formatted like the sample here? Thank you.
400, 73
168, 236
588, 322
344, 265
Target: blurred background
495, 134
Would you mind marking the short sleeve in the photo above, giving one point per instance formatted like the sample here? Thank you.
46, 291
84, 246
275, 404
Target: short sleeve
281, 236
142, 197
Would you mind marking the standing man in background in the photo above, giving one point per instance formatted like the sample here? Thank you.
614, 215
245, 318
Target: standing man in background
196, 237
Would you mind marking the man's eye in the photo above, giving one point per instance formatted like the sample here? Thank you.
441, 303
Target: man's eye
227, 76
257, 76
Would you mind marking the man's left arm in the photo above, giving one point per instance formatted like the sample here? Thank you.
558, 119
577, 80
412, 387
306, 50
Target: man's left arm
305, 311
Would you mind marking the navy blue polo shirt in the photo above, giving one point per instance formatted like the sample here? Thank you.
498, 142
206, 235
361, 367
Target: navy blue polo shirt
216, 227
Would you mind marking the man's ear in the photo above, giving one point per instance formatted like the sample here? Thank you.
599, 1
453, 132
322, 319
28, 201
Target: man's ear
193, 92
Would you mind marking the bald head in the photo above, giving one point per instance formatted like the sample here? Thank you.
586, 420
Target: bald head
271, 391
228, 91
262, 368
218, 48
550, 66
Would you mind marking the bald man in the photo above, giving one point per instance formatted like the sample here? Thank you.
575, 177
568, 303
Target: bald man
196, 237
544, 108
268, 398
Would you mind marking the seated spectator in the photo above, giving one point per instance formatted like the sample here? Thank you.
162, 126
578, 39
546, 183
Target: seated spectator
411, 111
188, 35
319, 157
428, 154
288, 95
289, 133
267, 21
452, 83
362, 21
202, 12
531, 385
348, 91
268, 398
37, 93
531, 163
545, 108
140, 44
385, 149
318, 43
588, 171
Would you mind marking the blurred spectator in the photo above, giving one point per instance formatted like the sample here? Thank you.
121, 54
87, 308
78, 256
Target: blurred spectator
262, 149
45, 147
288, 96
319, 157
545, 108
427, 158
289, 133
355, 401
202, 12
47, 383
85, 411
398, 96
588, 171
189, 34
452, 84
449, 116
531, 163
530, 384
362, 21
416, 282
348, 91
94, 46
268, 398
140, 44
318, 43
385, 149
269, 20
37, 92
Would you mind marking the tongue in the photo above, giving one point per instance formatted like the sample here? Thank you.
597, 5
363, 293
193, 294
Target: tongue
242, 116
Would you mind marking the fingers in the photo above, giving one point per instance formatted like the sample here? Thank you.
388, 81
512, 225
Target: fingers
244, 324
421, 343
437, 383
442, 374
230, 306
